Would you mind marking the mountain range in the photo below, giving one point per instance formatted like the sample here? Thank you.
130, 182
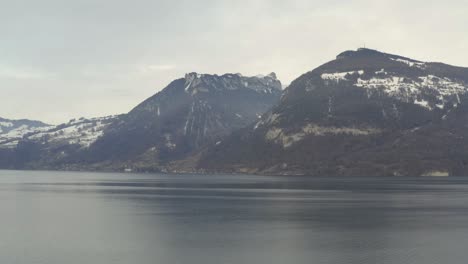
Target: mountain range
188, 115
364, 113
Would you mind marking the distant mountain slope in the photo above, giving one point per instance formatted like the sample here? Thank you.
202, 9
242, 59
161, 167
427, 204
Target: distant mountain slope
13, 130
365, 113
44, 146
187, 115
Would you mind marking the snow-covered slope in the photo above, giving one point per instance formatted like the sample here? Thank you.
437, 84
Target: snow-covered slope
426, 90
11, 131
82, 132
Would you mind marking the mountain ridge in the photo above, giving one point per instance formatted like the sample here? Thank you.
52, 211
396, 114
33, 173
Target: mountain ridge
187, 115
360, 102
364, 113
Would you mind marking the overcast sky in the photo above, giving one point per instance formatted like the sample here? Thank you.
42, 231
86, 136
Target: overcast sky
61, 59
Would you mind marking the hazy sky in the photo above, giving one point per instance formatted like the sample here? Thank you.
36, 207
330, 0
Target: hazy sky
61, 59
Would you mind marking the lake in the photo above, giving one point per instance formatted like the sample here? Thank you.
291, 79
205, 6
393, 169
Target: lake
62, 217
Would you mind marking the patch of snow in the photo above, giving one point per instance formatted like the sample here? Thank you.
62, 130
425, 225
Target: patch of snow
9, 144
189, 80
423, 103
83, 132
339, 76
421, 65
169, 144
382, 71
12, 137
410, 90
6, 124
257, 125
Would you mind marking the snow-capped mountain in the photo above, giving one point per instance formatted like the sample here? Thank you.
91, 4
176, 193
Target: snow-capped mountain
430, 85
187, 115
11, 131
45, 146
82, 132
364, 113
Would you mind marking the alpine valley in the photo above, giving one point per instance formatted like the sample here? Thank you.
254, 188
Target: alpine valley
366, 113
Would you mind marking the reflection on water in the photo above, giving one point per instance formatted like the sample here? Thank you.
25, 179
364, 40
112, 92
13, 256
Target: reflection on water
57, 217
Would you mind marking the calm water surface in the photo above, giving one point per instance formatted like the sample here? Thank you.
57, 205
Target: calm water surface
57, 217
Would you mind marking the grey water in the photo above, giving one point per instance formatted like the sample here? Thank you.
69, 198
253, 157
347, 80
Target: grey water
58, 217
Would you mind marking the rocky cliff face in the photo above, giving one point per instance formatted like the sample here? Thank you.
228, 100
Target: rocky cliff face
365, 113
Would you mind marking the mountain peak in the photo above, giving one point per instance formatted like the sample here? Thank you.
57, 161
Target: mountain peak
204, 83
271, 75
361, 52
371, 53
194, 75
